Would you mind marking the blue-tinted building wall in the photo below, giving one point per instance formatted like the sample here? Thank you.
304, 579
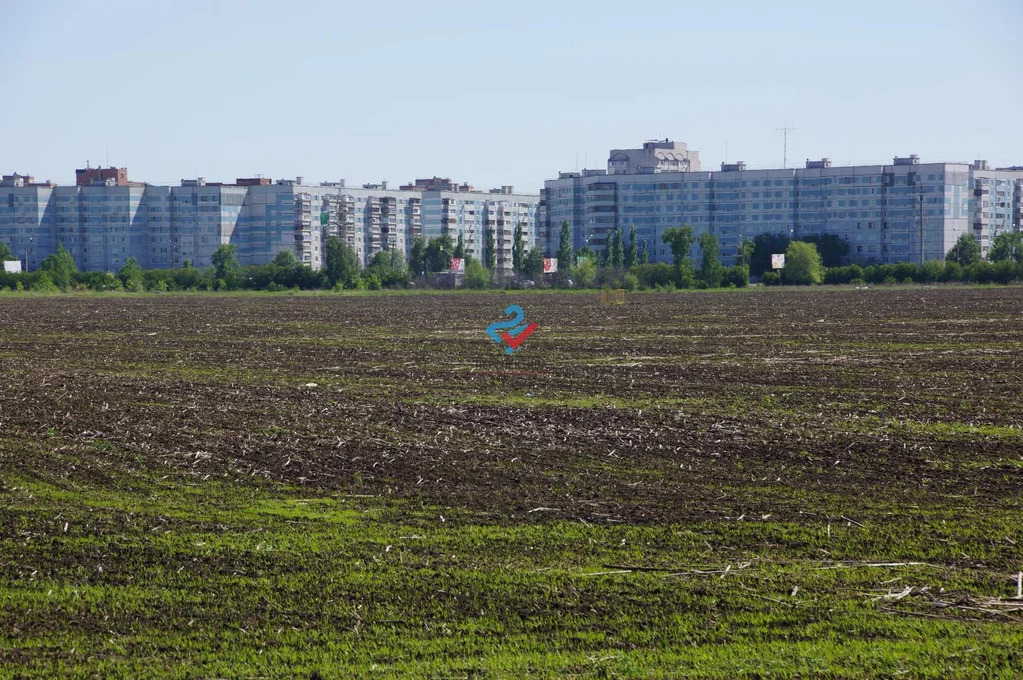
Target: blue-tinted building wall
905, 211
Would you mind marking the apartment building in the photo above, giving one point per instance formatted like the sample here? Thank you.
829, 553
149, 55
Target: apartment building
997, 195
905, 211
105, 218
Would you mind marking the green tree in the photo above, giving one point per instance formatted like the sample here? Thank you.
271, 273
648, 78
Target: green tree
532, 266
490, 251
564, 253
744, 253
607, 257
5, 253
618, 253
286, 258
584, 273
644, 253
417, 256
711, 271
680, 240
831, 247
965, 252
341, 264
43, 282
803, 264
386, 268
438, 254
737, 276
476, 275
225, 265
518, 249
632, 253
131, 276
1007, 246
459, 251
765, 245
61, 267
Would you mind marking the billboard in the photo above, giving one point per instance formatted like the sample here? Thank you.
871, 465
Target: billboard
778, 261
550, 265
457, 265
12, 266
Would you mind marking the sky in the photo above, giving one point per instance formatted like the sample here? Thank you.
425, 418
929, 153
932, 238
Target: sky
498, 93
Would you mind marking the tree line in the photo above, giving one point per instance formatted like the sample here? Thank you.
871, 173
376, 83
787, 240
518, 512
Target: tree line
622, 263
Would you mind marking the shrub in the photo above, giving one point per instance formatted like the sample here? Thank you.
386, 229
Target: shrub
839, 275
737, 276
476, 275
771, 279
803, 265
931, 271
1004, 271
953, 271
654, 275
43, 283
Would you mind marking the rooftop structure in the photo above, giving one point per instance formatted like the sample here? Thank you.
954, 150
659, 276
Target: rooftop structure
653, 157
111, 176
437, 184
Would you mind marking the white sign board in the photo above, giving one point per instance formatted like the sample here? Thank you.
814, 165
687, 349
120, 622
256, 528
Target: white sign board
12, 266
457, 265
778, 261
550, 265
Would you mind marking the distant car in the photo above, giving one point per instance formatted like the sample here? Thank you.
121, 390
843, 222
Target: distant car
527, 283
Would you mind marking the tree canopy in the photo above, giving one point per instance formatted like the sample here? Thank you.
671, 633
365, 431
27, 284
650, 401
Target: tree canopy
286, 258
341, 264
711, 271
966, 251
224, 262
803, 264
1007, 246
61, 267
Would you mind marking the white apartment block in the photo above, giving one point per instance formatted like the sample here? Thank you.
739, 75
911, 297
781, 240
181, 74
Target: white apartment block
905, 211
105, 222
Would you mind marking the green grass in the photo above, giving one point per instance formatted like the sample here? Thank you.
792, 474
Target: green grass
175, 578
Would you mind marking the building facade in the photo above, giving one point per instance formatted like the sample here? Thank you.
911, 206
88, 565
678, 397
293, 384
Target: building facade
105, 219
907, 211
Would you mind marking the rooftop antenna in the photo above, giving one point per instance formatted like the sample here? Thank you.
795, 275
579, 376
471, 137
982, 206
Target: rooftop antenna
785, 144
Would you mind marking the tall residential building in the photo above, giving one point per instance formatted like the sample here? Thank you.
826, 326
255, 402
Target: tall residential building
997, 196
107, 219
905, 211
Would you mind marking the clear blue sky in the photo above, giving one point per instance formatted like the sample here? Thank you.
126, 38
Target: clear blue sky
499, 93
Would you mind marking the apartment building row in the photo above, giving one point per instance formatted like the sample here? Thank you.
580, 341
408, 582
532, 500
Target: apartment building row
105, 219
905, 211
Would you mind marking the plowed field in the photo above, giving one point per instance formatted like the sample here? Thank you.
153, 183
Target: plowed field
769, 483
